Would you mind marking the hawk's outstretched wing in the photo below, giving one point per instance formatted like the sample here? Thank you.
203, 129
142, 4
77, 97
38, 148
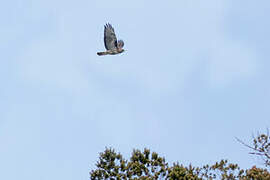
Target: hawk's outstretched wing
110, 40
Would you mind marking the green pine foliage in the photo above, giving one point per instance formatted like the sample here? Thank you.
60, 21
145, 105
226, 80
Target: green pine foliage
147, 165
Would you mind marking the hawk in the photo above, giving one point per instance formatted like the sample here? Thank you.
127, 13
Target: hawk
110, 41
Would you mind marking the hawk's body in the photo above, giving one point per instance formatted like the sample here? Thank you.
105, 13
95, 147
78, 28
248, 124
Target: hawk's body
110, 41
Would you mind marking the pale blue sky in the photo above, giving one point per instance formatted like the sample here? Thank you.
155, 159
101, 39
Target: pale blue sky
194, 76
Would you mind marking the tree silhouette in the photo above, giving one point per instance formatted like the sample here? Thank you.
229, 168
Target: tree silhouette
144, 165
260, 147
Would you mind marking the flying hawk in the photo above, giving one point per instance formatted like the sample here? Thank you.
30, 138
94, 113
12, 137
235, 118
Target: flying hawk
110, 41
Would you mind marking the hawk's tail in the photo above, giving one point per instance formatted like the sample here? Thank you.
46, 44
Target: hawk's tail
102, 53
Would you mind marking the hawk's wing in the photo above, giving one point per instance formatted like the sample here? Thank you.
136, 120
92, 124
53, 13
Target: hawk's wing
110, 40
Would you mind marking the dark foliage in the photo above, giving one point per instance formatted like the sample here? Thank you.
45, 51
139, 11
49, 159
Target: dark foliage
144, 165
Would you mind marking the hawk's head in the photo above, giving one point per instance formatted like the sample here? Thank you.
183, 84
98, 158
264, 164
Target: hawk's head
120, 44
